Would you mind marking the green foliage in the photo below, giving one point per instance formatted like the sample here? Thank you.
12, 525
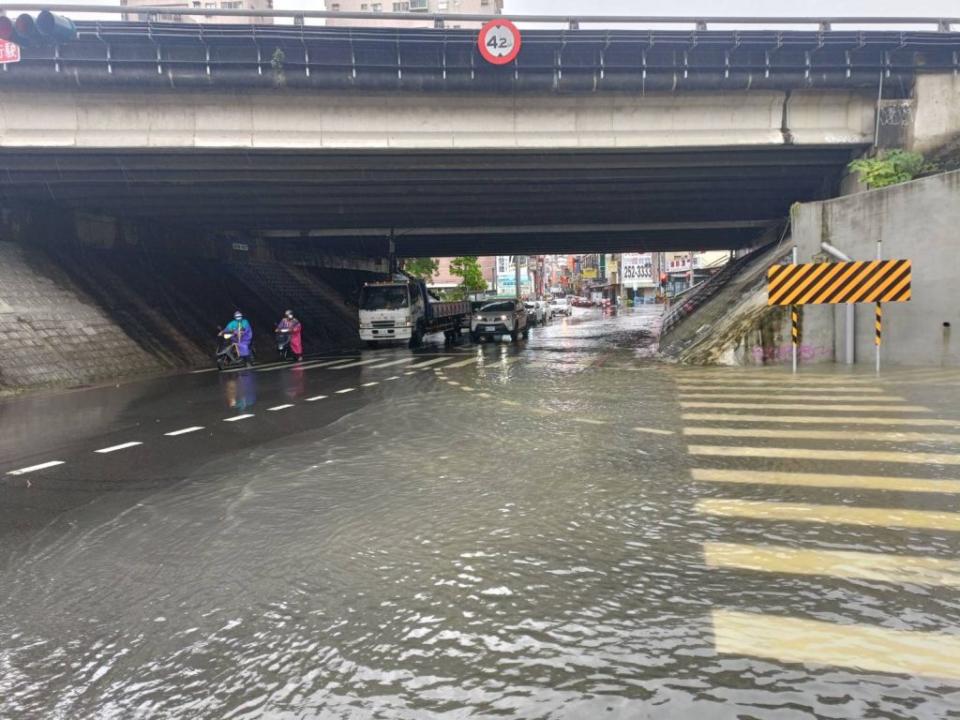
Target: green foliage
422, 268
467, 268
890, 168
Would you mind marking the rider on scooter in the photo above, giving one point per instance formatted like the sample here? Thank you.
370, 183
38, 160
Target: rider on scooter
290, 324
244, 334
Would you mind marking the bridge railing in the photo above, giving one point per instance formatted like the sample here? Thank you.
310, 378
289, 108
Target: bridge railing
440, 20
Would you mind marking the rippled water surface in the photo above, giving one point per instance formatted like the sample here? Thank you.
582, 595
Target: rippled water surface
518, 549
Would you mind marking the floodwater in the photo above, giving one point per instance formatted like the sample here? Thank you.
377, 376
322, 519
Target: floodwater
521, 537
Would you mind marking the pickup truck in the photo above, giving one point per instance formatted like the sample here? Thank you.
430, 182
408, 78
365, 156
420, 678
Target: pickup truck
403, 309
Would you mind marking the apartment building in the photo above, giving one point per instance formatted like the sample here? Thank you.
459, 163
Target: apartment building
465, 7
191, 11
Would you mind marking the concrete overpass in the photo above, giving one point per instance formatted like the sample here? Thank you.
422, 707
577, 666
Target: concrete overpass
616, 140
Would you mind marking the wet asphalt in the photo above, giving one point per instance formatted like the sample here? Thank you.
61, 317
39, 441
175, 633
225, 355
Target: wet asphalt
563, 527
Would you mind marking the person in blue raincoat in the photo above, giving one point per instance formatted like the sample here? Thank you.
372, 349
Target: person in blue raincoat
241, 326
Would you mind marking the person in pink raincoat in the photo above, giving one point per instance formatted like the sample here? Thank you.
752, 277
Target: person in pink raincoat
291, 324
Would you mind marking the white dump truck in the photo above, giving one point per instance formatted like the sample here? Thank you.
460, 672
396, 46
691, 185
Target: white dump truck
403, 309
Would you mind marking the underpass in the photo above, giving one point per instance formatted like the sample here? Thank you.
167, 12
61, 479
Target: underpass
558, 527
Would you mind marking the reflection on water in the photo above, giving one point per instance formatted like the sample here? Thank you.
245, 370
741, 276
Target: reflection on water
439, 554
240, 389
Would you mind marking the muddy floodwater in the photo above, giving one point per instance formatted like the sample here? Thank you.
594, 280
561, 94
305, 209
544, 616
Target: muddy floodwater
523, 530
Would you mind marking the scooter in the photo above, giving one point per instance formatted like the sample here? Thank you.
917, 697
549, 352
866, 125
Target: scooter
282, 336
228, 351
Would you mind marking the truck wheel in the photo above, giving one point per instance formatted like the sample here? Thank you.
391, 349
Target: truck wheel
475, 337
372, 344
526, 333
513, 336
416, 337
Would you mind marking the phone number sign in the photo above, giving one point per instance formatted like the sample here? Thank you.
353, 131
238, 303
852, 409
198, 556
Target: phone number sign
9, 53
499, 41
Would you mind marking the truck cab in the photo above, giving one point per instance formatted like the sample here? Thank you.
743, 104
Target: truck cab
403, 310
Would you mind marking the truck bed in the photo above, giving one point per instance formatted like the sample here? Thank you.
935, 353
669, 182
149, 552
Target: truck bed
437, 310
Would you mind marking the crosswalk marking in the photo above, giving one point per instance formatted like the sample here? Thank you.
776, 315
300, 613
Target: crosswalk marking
428, 363
303, 366
819, 406
836, 514
357, 363
820, 420
703, 387
866, 435
402, 361
653, 431
818, 454
834, 563
861, 482
777, 382
811, 398
813, 642
463, 363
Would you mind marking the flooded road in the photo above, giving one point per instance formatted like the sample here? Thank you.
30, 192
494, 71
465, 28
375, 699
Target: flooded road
562, 528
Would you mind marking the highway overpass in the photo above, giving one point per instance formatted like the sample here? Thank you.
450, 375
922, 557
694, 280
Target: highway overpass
402, 138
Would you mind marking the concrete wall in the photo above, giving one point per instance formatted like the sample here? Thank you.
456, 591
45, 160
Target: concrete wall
919, 221
936, 113
325, 120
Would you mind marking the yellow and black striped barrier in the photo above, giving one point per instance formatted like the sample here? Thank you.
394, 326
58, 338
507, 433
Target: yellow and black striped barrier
839, 282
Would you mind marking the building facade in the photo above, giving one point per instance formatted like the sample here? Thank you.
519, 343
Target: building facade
191, 11
374, 7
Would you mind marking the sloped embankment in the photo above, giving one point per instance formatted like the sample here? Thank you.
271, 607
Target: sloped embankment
735, 326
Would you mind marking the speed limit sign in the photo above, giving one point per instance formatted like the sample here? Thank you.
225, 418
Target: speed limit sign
499, 41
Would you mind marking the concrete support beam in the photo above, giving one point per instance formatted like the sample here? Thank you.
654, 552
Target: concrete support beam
324, 120
936, 116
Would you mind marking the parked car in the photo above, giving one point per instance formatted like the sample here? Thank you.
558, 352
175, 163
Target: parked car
499, 318
560, 306
544, 307
535, 313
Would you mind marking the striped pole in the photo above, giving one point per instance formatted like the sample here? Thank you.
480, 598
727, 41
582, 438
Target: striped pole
795, 327
878, 324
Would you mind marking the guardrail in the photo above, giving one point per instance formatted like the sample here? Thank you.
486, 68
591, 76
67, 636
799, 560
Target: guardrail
573, 22
698, 295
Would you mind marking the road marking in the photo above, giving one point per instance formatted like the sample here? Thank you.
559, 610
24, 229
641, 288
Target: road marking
427, 363
463, 363
836, 514
814, 454
392, 377
509, 402
833, 563
813, 398
277, 408
653, 431
184, 431
813, 642
371, 383
393, 362
410, 372
34, 468
484, 395
779, 383
824, 434
452, 382
866, 390
121, 446
235, 418
315, 398
345, 390
588, 421
819, 406
358, 363
303, 366
863, 482
820, 420
204, 370
467, 388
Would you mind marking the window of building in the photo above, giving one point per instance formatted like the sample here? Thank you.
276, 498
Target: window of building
364, 7
401, 6
232, 4
210, 5
196, 3
377, 7
334, 7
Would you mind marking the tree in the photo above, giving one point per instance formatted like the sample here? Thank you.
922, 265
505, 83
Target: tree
890, 168
421, 268
467, 267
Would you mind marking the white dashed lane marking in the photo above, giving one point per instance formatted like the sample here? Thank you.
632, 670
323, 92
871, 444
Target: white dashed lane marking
184, 431
410, 372
277, 408
34, 468
315, 398
653, 431
345, 390
121, 446
393, 377
371, 383
235, 418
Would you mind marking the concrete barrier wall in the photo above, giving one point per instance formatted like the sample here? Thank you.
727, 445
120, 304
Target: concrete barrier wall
919, 221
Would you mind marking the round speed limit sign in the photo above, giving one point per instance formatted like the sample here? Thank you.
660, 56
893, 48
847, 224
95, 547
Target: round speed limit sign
499, 41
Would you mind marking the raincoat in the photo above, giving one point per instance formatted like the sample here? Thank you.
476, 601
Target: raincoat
244, 334
296, 334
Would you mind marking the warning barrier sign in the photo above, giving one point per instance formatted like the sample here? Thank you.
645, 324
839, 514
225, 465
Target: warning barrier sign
839, 282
